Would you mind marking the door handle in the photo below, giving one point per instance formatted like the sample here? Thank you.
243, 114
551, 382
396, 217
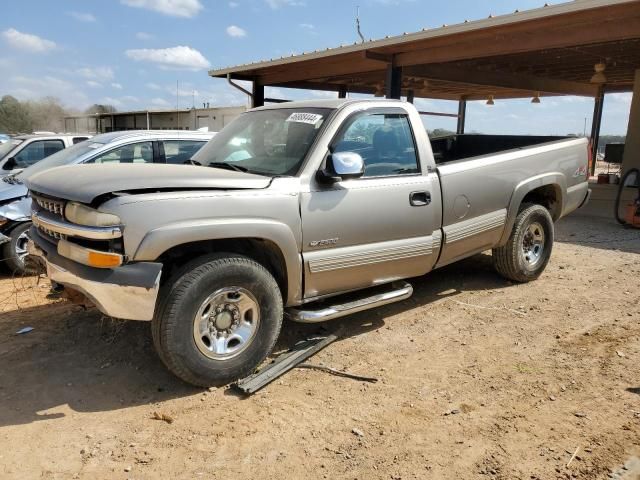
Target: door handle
419, 199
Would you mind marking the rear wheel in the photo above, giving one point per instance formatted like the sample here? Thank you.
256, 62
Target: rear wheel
218, 321
526, 254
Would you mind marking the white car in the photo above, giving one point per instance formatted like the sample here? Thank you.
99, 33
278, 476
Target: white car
136, 146
24, 150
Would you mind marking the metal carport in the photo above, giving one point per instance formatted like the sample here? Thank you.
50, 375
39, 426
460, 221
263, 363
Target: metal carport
553, 50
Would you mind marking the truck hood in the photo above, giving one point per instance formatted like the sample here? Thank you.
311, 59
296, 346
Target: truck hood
83, 183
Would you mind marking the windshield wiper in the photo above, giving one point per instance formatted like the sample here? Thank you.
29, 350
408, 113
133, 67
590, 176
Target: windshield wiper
228, 166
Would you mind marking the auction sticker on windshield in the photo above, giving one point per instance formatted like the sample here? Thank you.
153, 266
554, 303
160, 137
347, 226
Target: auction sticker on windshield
302, 117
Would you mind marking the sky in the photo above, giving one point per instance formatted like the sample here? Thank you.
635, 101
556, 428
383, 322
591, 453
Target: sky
131, 53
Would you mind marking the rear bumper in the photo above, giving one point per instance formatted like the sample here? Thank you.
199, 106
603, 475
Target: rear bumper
128, 292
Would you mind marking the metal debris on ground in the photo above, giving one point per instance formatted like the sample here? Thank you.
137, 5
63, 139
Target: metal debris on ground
24, 330
338, 373
283, 363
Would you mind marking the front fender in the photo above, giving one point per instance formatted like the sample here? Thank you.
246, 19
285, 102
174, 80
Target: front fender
557, 179
161, 239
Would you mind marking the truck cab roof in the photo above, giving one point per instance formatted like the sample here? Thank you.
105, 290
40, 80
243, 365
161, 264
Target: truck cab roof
332, 103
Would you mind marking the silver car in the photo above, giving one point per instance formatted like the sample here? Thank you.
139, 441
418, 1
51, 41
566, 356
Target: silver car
142, 146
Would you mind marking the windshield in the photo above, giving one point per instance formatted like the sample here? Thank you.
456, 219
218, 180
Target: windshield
63, 157
8, 146
265, 142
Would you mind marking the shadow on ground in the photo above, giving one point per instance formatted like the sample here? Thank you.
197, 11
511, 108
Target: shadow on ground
597, 232
91, 363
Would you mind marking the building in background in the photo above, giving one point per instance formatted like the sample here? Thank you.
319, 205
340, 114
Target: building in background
187, 119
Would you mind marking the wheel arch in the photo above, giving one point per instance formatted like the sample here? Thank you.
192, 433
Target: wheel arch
271, 244
547, 190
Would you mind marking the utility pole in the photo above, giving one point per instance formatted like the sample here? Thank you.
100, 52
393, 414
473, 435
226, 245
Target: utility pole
177, 107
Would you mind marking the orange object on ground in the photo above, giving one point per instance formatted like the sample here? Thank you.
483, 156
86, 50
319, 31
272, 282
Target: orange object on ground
632, 214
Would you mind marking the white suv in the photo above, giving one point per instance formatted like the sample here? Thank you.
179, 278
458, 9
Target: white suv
25, 150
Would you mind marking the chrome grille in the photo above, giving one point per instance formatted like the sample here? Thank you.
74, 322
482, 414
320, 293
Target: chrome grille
53, 206
51, 234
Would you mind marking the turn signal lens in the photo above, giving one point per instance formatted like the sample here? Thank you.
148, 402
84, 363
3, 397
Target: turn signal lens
87, 256
103, 260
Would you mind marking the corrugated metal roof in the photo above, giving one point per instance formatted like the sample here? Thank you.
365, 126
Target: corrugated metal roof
399, 40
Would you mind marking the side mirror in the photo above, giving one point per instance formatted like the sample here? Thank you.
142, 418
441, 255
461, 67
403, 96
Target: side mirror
10, 164
341, 166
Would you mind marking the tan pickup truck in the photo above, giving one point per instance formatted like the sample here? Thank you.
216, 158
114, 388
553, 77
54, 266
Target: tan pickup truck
288, 208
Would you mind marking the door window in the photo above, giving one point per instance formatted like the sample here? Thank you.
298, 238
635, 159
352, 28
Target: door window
178, 152
383, 140
36, 151
133, 153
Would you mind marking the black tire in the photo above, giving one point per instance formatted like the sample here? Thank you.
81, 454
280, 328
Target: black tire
18, 265
517, 260
180, 301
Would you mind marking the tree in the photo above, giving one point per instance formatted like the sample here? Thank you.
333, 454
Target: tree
97, 108
14, 117
440, 132
46, 114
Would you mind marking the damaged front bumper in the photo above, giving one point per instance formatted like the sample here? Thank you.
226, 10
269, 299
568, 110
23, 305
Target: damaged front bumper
128, 292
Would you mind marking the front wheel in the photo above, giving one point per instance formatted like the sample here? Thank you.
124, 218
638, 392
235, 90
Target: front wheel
219, 320
526, 254
14, 252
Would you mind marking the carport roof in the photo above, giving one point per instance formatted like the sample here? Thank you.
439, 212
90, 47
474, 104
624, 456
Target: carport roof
552, 50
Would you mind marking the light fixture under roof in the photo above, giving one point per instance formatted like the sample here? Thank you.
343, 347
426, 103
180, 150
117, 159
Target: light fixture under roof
536, 98
379, 90
490, 101
599, 77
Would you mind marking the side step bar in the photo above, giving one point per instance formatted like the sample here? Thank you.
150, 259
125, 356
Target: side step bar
401, 291
285, 362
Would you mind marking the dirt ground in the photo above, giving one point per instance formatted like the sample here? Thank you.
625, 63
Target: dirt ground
478, 378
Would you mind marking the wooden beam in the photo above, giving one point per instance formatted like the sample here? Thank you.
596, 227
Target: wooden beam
393, 82
410, 96
595, 128
462, 116
439, 114
257, 94
380, 57
327, 87
493, 42
501, 80
310, 70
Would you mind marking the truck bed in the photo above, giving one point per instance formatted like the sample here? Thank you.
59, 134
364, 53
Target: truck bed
458, 147
477, 178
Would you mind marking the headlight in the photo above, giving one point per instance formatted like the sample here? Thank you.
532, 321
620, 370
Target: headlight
83, 215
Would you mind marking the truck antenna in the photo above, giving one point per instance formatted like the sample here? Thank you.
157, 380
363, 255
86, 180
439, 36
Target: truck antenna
358, 24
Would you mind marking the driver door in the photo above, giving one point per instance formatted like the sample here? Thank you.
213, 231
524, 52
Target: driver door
377, 228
